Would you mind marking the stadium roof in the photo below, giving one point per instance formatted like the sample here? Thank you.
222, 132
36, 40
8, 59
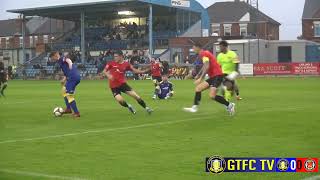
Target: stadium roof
230, 12
311, 9
107, 9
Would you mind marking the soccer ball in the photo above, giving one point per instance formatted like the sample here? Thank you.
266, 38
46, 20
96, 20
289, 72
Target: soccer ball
58, 111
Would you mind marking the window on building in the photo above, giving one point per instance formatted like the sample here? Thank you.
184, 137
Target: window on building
243, 29
215, 29
316, 28
227, 30
31, 41
35, 40
45, 39
21, 42
7, 42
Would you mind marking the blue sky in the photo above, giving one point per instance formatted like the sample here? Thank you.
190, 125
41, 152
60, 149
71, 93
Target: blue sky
287, 12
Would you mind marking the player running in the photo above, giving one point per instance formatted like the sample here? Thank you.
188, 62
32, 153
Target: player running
70, 81
156, 68
115, 71
3, 79
229, 62
213, 69
165, 88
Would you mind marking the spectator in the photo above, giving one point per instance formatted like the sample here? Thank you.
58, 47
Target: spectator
142, 59
118, 37
135, 59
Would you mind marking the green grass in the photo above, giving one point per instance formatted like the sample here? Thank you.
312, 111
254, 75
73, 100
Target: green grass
279, 117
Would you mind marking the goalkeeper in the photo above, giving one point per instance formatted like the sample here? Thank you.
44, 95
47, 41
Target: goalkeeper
229, 63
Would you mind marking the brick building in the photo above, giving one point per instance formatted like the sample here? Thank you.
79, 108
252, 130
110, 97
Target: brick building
238, 18
311, 20
39, 31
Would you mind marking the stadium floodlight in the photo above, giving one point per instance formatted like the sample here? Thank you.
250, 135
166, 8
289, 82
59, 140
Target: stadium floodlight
126, 13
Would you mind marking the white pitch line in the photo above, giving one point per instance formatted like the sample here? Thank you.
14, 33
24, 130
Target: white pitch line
35, 174
102, 130
138, 126
25, 102
44, 101
313, 178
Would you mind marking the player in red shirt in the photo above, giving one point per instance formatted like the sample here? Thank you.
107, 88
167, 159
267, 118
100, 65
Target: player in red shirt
213, 69
115, 71
156, 68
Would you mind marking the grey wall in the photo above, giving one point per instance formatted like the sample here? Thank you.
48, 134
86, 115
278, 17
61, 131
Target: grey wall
298, 50
268, 51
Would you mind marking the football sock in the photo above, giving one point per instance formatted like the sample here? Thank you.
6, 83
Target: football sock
67, 103
124, 104
142, 103
221, 100
197, 98
74, 107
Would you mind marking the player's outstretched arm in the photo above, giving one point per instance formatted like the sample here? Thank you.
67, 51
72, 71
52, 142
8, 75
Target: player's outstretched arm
146, 70
236, 61
202, 73
137, 71
237, 67
236, 72
203, 70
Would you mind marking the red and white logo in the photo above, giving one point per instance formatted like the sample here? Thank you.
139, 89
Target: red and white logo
310, 165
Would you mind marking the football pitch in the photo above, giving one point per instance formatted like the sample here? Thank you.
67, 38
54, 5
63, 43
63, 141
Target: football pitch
278, 117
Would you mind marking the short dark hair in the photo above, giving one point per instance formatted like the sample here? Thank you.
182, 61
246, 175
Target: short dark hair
224, 43
119, 52
53, 53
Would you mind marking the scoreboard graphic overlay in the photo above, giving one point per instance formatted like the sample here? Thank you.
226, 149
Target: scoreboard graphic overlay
217, 165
